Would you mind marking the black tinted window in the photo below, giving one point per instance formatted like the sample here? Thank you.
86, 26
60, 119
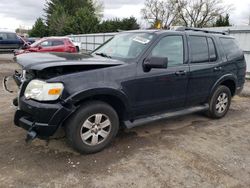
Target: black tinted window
172, 48
231, 48
199, 49
57, 43
212, 50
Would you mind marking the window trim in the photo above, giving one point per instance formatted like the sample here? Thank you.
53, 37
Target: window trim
215, 48
171, 35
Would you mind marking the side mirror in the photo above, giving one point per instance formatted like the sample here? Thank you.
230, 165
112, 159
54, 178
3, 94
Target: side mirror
40, 47
1, 38
155, 63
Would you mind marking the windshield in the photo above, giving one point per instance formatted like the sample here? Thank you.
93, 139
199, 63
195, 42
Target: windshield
125, 45
35, 44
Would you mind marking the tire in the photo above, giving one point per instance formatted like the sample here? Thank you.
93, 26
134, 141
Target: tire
220, 102
77, 49
92, 127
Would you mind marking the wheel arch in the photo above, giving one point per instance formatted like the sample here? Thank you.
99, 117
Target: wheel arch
229, 81
117, 99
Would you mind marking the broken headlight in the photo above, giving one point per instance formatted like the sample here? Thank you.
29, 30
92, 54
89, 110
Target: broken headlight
43, 91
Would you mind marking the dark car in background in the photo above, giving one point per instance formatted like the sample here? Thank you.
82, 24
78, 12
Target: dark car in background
49, 44
9, 41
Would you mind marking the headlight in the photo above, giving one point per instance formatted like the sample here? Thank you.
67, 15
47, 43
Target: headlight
42, 91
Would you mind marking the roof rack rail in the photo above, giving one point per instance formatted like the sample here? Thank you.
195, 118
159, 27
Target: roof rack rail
183, 28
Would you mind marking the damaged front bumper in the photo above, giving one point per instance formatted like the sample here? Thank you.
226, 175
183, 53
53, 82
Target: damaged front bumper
43, 119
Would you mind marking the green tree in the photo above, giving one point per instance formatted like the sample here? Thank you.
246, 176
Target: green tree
116, 24
39, 29
222, 21
65, 17
84, 22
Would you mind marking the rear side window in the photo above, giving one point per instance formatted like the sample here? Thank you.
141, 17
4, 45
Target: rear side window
199, 49
212, 50
11, 36
231, 48
57, 43
3, 36
8, 36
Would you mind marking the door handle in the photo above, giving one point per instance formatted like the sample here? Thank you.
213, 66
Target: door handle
217, 68
181, 73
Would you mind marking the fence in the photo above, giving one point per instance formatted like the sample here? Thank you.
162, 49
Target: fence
90, 42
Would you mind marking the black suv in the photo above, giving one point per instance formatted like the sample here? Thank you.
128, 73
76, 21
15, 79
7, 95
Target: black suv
135, 77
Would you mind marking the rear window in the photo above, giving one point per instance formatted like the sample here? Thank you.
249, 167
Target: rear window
199, 49
230, 47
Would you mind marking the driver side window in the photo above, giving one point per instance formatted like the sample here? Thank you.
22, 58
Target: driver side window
172, 48
46, 44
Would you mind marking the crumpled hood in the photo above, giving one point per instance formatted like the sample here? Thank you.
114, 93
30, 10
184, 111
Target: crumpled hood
40, 61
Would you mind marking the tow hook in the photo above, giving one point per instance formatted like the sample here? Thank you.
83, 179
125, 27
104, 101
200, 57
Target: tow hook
31, 135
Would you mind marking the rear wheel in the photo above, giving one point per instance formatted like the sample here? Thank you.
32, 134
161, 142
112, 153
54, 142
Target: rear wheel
220, 102
77, 49
92, 127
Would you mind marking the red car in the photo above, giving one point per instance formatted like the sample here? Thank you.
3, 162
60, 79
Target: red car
50, 44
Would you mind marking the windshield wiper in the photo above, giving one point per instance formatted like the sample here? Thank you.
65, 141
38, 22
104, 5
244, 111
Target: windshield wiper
103, 55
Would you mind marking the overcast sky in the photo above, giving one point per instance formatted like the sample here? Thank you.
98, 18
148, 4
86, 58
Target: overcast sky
15, 13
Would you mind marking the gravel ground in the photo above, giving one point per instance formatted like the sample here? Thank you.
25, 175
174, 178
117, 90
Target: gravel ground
188, 151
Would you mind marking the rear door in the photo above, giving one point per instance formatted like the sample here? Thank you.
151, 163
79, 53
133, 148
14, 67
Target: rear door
58, 46
205, 68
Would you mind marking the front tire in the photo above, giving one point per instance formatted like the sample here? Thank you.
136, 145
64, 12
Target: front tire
220, 102
93, 126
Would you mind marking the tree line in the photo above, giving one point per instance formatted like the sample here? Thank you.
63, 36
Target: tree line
64, 17
190, 13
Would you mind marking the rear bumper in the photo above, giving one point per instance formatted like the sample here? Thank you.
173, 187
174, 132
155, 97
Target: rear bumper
42, 118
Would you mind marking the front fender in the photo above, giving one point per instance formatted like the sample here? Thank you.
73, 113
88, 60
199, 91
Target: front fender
85, 94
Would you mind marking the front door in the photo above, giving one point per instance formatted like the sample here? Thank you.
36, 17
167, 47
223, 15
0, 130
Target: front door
163, 89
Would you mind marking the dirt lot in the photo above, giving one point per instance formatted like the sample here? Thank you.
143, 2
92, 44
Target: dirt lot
189, 151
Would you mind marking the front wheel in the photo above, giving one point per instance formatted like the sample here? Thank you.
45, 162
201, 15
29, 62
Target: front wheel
92, 127
220, 102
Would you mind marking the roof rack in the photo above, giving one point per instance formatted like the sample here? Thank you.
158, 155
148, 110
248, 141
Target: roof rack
183, 28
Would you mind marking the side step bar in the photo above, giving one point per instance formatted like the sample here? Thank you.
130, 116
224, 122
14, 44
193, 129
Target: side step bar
150, 119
